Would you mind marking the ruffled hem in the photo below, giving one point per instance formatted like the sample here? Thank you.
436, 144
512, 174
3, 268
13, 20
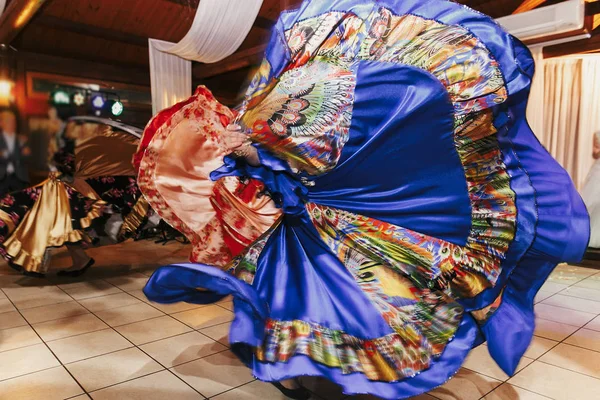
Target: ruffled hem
17, 255
509, 330
16, 251
179, 282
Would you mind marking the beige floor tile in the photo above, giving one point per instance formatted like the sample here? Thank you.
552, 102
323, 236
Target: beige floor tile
594, 324
557, 383
214, 374
575, 270
575, 359
563, 315
228, 305
128, 314
593, 282
539, 346
6, 306
510, 392
152, 329
226, 299
81, 397
15, 338
166, 308
253, 391
88, 345
86, 290
2, 295
36, 296
204, 317
553, 287
570, 275
220, 333
148, 271
479, 360
12, 279
574, 303
586, 338
11, 319
70, 283
51, 384
322, 387
181, 349
65, 327
582, 292
108, 302
159, 386
53, 311
553, 330
26, 360
110, 369
135, 281
542, 295
466, 385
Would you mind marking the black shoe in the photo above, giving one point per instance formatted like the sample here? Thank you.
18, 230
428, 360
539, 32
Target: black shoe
78, 272
300, 393
33, 274
20, 269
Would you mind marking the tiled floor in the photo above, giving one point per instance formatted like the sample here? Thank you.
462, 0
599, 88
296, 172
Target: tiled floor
98, 337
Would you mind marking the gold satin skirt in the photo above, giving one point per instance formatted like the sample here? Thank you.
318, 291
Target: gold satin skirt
47, 224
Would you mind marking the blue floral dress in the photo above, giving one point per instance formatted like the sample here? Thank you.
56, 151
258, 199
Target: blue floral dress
420, 213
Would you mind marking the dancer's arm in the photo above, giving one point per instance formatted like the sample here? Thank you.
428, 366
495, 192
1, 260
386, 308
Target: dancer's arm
238, 143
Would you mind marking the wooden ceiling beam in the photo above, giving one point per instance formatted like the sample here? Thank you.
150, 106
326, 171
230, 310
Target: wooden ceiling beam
528, 5
190, 3
84, 69
239, 60
50, 21
290, 4
16, 16
592, 8
264, 23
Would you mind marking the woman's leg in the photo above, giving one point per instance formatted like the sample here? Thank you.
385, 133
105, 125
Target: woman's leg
78, 255
81, 261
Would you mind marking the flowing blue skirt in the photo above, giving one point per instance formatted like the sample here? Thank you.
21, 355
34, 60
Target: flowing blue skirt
425, 215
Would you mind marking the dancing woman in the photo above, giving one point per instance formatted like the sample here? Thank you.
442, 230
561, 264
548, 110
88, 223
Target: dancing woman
94, 181
420, 215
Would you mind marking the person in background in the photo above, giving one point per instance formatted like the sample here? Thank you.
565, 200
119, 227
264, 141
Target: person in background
591, 194
14, 154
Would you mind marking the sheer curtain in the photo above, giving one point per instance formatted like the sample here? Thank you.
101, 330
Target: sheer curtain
218, 30
535, 109
170, 76
562, 100
564, 109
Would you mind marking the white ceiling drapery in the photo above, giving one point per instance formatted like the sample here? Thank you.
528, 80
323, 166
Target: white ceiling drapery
170, 77
218, 30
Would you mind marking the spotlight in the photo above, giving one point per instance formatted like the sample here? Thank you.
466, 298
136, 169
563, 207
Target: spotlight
61, 97
98, 101
117, 108
79, 99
